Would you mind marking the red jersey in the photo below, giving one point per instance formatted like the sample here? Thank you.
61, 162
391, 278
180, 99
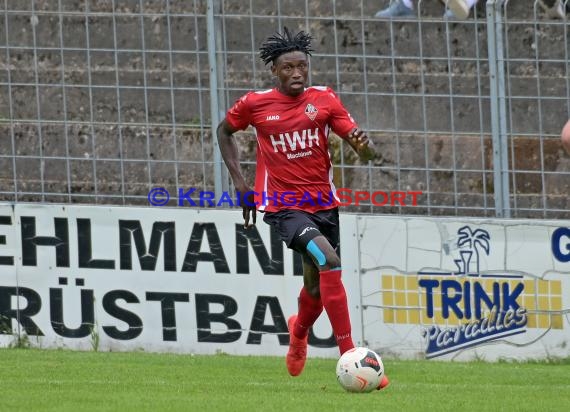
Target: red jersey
294, 169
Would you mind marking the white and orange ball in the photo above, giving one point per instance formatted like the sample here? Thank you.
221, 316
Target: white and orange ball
360, 370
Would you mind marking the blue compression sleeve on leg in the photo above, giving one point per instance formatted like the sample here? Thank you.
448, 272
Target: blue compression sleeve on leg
317, 253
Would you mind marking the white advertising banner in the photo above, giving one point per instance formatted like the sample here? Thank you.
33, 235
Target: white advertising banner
194, 281
8, 280
465, 288
153, 279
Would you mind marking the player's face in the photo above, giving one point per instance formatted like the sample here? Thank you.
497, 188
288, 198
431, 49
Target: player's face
292, 71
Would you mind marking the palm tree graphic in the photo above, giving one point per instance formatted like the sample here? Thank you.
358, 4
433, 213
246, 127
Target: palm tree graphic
473, 241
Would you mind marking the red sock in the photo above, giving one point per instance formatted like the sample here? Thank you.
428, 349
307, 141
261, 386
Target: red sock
310, 309
334, 300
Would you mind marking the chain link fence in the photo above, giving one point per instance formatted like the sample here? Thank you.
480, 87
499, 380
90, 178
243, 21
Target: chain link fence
101, 101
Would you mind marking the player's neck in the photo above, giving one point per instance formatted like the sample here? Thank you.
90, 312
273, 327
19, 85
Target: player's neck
292, 96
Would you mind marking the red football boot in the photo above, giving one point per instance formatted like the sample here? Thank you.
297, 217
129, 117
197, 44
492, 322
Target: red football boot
297, 354
383, 383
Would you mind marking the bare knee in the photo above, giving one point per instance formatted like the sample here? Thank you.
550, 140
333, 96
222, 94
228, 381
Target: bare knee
333, 261
323, 254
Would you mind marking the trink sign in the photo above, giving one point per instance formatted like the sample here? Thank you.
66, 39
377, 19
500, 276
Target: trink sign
487, 313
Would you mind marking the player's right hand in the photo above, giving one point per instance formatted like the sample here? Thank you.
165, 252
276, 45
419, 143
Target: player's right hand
248, 208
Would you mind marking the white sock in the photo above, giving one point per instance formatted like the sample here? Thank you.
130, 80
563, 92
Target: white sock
408, 4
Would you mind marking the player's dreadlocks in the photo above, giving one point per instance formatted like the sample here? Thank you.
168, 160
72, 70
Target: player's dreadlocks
280, 43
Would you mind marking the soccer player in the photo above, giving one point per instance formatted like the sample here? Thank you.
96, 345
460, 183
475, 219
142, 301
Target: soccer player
293, 184
565, 137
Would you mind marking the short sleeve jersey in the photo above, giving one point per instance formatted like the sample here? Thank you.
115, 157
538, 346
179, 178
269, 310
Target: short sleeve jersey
294, 169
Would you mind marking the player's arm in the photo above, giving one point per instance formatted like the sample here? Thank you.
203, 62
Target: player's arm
360, 143
341, 121
565, 137
230, 154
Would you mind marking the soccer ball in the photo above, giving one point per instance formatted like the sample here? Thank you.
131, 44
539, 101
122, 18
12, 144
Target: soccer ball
359, 370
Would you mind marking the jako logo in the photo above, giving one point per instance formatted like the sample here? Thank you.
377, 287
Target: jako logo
272, 117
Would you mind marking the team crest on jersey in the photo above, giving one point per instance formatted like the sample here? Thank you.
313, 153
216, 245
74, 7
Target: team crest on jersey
311, 111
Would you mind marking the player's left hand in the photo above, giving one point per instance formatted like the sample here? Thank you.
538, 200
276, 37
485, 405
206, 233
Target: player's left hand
361, 144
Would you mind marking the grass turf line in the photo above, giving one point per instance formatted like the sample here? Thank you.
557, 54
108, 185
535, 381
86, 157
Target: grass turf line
57, 380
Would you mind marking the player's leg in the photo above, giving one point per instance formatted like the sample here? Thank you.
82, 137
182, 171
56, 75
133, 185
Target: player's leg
302, 232
287, 223
310, 276
310, 304
325, 253
333, 294
309, 309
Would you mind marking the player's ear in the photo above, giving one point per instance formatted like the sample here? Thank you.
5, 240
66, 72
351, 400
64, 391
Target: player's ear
274, 69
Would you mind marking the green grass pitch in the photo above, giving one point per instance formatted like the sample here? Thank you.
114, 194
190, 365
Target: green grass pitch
58, 380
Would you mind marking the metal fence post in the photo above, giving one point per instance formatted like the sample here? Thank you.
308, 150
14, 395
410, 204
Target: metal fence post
214, 32
499, 133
